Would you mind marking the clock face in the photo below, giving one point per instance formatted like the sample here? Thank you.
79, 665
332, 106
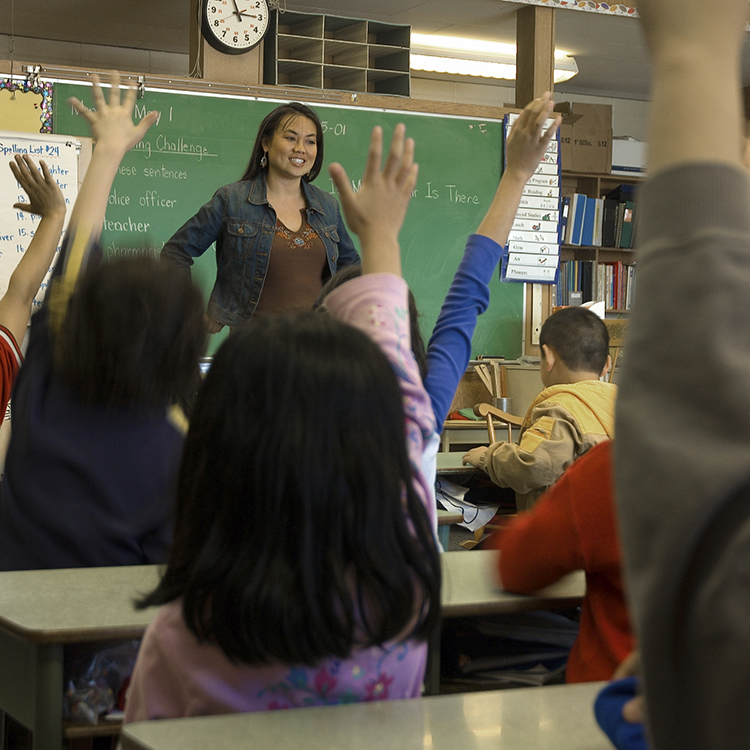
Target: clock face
234, 26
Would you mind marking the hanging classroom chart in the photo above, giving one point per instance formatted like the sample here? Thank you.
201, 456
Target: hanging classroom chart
203, 142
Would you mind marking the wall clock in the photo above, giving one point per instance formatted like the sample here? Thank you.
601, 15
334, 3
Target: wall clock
234, 26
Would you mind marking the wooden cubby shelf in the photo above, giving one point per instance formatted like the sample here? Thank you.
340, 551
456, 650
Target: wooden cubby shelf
342, 54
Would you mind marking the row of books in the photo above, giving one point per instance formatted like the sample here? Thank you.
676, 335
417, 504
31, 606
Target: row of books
614, 283
575, 276
597, 222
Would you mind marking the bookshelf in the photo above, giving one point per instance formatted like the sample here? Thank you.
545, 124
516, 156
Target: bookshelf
595, 185
331, 52
604, 260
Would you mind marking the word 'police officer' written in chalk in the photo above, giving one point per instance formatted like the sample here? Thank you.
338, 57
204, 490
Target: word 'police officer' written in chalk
150, 198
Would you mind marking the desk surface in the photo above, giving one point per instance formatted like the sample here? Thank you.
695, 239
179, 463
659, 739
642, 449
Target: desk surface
451, 462
469, 587
90, 604
81, 604
546, 718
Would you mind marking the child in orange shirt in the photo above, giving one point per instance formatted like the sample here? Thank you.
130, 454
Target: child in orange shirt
573, 527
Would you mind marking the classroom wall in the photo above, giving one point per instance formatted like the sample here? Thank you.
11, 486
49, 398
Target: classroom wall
51, 52
628, 116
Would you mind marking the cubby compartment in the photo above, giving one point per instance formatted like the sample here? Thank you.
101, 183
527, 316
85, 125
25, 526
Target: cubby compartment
345, 29
345, 53
389, 58
299, 24
300, 49
292, 73
387, 82
344, 79
388, 34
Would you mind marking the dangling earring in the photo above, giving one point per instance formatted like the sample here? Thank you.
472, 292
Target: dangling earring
263, 161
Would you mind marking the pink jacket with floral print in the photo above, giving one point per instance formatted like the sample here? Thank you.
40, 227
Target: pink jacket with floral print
176, 676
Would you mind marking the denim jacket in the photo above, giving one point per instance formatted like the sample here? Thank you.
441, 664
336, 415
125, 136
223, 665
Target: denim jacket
242, 224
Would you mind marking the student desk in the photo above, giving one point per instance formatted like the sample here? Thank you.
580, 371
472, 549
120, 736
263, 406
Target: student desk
559, 717
40, 612
469, 589
452, 463
450, 466
43, 610
444, 519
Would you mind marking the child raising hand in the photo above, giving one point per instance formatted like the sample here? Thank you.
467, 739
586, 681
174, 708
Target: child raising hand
304, 569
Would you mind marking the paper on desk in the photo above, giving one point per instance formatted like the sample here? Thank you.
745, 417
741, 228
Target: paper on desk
451, 497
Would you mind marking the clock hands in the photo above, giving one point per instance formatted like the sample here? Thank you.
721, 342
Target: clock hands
241, 13
236, 10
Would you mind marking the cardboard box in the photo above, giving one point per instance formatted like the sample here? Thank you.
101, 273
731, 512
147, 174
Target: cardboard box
628, 156
586, 137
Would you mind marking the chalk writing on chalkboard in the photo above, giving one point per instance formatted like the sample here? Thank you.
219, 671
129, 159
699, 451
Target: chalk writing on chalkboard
203, 142
17, 227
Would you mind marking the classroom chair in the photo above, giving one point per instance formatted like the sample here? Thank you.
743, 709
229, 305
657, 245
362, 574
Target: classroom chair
492, 414
617, 329
482, 382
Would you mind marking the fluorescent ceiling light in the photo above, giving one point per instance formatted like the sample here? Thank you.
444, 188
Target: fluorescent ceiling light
472, 57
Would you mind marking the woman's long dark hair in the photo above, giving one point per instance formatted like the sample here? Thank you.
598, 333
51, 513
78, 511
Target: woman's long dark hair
299, 535
272, 122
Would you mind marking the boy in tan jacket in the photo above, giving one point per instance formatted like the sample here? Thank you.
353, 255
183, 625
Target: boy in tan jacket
574, 411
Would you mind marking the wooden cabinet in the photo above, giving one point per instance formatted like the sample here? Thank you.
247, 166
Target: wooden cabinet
331, 52
605, 264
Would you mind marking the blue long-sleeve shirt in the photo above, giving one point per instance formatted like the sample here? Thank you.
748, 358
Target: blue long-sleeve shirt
449, 349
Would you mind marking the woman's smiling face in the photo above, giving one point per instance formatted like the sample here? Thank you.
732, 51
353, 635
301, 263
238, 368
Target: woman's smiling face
292, 150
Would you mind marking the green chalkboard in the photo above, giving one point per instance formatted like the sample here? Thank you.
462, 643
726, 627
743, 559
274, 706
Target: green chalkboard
203, 142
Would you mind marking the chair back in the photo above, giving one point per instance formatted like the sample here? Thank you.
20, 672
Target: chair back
617, 329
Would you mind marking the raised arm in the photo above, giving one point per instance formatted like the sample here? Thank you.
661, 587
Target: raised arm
527, 142
378, 304
114, 134
449, 349
46, 200
376, 212
683, 411
694, 47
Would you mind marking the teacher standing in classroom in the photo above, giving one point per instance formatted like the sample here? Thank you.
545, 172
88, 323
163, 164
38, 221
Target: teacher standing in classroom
278, 237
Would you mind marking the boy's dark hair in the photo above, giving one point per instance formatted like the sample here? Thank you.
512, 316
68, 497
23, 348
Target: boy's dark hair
271, 123
579, 338
132, 336
417, 342
299, 535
